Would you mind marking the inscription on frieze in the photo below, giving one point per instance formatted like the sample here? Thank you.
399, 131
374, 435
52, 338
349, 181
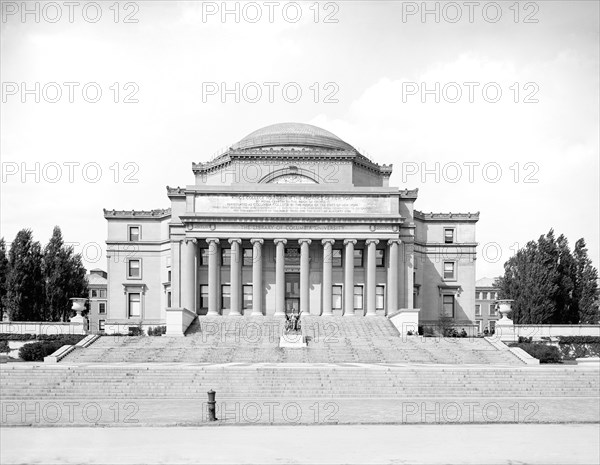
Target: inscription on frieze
290, 203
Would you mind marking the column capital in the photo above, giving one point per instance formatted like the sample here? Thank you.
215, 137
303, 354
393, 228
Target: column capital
393, 241
210, 240
256, 241
234, 240
193, 240
302, 241
327, 241
372, 241
280, 241
349, 241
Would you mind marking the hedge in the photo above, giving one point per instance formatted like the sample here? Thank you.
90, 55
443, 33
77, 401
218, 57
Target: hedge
544, 353
36, 351
579, 340
4, 348
41, 337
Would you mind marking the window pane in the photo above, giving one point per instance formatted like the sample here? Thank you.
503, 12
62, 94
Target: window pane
134, 268
101, 325
449, 236
203, 257
226, 296
336, 257
102, 308
336, 302
448, 270
477, 310
134, 305
94, 293
226, 257
379, 257
247, 290
203, 296
448, 303
379, 297
134, 233
103, 293
247, 261
358, 297
493, 311
358, 258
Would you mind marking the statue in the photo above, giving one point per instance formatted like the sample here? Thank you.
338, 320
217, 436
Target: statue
292, 323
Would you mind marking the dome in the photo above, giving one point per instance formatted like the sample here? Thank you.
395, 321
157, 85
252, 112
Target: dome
292, 134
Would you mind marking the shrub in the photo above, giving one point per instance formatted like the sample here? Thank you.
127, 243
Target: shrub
4, 348
43, 337
16, 337
526, 340
579, 340
136, 331
36, 351
544, 353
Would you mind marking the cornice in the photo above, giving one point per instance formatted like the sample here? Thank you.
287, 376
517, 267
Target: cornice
446, 216
157, 213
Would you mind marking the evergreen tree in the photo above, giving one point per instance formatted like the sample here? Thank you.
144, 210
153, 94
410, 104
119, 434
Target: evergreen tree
64, 277
586, 290
24, 299
3, 275
549, 284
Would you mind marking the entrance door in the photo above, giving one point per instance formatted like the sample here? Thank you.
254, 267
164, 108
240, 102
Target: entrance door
292, 292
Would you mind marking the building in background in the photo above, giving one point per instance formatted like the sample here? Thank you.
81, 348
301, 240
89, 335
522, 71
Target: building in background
98, 301
290, 218
486, 309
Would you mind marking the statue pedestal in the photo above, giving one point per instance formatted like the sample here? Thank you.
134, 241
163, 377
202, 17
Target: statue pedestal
292, 341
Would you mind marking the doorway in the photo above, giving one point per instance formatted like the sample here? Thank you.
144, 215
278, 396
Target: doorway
292, 292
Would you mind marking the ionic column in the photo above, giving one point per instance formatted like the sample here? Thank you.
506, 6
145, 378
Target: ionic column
213, 276
327, 271
371, 275
349, 277
257, 290
280, 276
304, 275
392, 277
236, 277
188, 274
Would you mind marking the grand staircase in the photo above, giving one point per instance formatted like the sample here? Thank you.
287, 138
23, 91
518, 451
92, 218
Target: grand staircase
256, 340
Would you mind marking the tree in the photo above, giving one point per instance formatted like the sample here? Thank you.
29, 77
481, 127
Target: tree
586, 290
546, 282
3, 275
24, 298
64, 277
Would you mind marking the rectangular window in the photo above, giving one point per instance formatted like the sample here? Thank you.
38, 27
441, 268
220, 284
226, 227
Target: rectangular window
225, 257
169, 299
492, 326
134, 233
247, 291
101, 325
247, 259
493, 311
203, 257
480, 295
102, 307
336, 297
94, 293
169, 276
102, 293
226, 296
449, 236
449, 272
133, 269
379, 258
448, 302
479, 326
203, 296
135, 305
336, 258
358, 297
477, 310
358, 258
379, 297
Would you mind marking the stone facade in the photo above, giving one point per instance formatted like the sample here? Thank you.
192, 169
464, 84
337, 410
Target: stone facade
290, 218
98, 300
486, 311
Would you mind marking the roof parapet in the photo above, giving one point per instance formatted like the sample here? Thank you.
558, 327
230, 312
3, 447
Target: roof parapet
446, 216
156, 213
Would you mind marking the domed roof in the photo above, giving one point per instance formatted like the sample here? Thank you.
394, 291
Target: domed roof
292, 134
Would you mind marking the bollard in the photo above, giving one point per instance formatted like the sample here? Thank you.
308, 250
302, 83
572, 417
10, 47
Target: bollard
212, 410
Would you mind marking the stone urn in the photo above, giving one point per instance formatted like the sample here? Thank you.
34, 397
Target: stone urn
78, 306
505, 307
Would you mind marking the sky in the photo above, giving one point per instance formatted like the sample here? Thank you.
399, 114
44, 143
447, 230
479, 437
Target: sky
491, 108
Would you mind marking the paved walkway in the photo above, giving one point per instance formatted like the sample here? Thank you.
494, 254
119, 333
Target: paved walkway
318, 411
421, 444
